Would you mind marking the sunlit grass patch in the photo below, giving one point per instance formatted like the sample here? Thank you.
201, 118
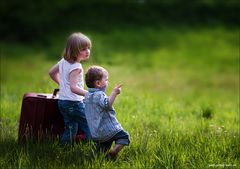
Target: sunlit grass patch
179, 100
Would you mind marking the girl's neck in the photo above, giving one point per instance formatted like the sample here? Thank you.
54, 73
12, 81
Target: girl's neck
78, 59
74, 61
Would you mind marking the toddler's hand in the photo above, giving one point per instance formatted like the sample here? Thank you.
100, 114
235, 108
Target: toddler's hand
117, 89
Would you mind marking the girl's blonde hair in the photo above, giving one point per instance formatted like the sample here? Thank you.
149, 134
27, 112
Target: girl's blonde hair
75, 43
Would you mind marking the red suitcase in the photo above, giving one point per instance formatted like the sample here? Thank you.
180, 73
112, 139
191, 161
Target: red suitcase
40, 117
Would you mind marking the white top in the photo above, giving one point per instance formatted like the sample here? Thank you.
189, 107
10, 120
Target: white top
65, 68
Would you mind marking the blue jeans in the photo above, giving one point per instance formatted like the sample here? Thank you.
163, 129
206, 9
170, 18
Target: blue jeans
74, 119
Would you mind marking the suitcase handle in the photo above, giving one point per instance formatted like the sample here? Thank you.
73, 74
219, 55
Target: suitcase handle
55, 92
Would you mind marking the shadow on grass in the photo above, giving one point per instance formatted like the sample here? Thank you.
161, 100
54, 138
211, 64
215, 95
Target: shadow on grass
43, 155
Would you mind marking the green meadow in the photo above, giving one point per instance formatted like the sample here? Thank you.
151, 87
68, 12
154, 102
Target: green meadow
179, 100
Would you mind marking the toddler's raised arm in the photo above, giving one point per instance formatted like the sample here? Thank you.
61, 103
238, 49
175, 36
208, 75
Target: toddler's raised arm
115, 92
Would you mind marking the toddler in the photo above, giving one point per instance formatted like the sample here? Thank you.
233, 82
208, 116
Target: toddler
104, 127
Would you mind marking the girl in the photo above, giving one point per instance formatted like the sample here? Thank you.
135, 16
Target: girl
68, 73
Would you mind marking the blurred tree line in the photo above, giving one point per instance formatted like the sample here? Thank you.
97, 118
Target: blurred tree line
27, 20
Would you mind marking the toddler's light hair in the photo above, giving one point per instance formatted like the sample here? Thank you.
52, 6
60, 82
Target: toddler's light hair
93, 74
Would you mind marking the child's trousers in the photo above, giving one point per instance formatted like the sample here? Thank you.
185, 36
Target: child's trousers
74, 118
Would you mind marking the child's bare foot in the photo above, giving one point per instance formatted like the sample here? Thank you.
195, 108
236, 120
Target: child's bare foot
112, 156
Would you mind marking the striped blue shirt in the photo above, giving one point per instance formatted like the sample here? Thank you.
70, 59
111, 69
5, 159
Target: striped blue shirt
101, 118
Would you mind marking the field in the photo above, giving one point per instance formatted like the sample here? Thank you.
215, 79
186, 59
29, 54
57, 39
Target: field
179, 100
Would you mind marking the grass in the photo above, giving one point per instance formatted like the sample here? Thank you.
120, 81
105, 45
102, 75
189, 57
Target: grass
180, 98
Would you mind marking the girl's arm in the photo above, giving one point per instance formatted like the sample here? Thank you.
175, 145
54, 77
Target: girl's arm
73, 76
54, 74
115, 92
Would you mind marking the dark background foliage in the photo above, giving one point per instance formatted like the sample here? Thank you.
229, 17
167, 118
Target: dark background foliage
28, 20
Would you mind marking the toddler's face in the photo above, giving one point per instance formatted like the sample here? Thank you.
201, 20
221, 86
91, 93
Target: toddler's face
103, 82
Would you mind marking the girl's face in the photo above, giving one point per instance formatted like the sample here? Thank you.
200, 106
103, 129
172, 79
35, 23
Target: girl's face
84, 54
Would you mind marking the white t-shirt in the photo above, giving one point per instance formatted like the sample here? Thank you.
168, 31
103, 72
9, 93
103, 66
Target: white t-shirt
65, 68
